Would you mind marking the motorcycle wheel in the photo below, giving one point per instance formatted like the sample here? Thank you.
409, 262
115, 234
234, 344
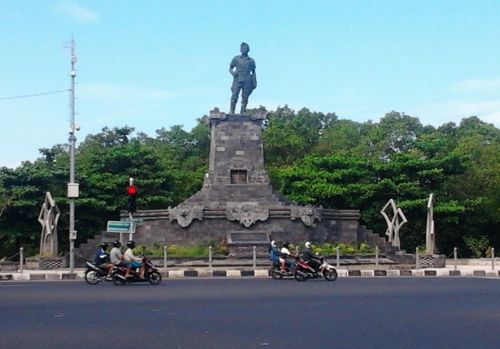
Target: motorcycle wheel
299, 275
117, 280
275, 274
91, 277
330, 275
154, 278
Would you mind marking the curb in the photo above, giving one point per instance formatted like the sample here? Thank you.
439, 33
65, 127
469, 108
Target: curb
256, 273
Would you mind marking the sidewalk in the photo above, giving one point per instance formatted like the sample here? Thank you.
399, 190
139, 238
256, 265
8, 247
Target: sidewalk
262, 272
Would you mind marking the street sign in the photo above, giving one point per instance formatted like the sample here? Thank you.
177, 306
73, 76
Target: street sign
120, 227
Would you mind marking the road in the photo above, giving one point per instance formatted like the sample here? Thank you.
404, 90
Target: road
253, 313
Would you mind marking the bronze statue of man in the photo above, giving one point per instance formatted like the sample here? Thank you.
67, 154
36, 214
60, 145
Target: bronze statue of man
242, 68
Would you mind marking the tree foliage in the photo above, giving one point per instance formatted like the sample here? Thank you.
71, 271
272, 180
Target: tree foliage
312, 157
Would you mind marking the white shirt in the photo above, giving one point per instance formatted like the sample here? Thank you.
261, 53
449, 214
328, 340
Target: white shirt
129, 256
286, 251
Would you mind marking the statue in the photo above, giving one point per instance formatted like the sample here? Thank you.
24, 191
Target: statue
394, 223
242, 68
48, 218
430, 236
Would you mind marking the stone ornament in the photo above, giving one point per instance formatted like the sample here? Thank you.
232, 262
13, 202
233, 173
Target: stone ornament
184, 215
395, 221
430, 236
247, 213
48, 218
239, 163
308, 214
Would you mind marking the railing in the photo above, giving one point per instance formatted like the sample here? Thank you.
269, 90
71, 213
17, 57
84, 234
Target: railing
210, 257
421, 261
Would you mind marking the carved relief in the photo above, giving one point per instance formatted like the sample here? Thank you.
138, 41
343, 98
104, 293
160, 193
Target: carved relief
238, 163
259, 177
308, 214
184, 215
247, 214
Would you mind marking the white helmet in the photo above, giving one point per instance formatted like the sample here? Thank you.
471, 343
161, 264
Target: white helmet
273, 243
307, 244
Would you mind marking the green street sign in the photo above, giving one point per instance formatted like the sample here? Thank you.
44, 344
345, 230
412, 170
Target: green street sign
120, 227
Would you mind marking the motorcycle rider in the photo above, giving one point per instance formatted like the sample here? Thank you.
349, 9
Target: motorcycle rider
274, 253
102, 259
132, 260
285, 257
116, 254
310, 258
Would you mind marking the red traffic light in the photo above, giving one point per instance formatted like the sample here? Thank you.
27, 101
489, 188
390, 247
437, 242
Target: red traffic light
132, 190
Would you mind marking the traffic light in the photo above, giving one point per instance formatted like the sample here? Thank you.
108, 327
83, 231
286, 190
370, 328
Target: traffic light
132, 196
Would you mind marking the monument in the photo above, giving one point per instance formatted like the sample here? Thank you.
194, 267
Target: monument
49, 218
430, 236
237, 203
395, 221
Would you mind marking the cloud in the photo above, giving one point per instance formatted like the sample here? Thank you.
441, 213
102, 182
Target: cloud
78, 12
439, 113
110, 93
477, 85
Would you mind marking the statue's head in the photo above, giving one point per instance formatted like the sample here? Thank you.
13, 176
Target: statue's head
244, 48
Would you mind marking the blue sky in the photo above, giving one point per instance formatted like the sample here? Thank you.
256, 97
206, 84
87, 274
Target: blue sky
154, 64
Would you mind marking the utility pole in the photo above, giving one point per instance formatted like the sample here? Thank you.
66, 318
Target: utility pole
73, 190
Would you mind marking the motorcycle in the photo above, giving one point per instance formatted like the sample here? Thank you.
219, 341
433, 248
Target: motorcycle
151, 274
277, 273
94, 274
304, 271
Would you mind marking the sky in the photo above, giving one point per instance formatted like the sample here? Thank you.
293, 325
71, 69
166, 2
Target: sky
156, 64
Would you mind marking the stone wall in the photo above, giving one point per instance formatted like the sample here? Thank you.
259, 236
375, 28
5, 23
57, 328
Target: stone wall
157, 228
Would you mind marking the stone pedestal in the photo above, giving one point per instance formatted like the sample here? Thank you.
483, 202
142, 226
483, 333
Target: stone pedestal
237, 202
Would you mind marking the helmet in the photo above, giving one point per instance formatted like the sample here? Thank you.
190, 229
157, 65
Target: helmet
286, 244
104, 246
273, 243
117, 243
131, 244
307, 244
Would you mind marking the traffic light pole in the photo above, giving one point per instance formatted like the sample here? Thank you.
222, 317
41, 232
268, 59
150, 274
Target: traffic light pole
130, 216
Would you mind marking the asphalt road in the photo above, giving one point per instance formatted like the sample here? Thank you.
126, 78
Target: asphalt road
253, 313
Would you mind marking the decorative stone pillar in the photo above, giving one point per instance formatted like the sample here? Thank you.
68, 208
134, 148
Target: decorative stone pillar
430, 236
48, 218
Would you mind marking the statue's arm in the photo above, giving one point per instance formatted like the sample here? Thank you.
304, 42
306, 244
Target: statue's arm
232, 71
254, 76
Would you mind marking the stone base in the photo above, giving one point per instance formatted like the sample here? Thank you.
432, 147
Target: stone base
52, 262
424, 261
241, 243
9, 266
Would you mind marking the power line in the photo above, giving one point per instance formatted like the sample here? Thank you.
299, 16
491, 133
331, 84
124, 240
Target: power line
34, 95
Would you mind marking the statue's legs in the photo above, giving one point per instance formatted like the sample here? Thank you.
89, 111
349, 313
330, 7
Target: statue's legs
235, 89
243, 107
245, 93
233, 104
